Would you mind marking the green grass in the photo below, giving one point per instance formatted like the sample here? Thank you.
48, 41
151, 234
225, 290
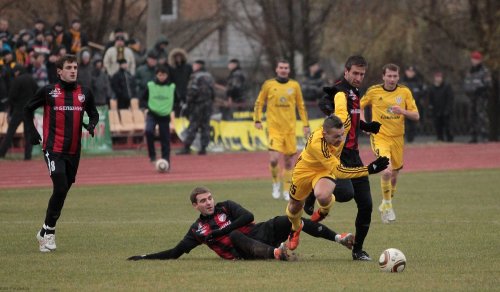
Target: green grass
447, 226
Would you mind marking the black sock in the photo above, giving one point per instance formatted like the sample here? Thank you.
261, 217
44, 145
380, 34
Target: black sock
47, 230
318, 230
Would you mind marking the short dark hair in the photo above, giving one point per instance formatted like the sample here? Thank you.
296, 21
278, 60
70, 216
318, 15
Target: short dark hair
201, 62
390, 66
197, 191
332, 122
162, 69
282, 60
236, 61
355, 60
66, 58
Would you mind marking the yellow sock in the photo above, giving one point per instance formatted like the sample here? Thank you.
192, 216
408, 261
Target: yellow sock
393, 191
386, 189
274, 172
324, 210
287, 179
295, 219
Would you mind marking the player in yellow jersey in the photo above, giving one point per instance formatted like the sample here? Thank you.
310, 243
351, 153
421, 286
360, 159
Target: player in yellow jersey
281, 96
316, 170
391, 103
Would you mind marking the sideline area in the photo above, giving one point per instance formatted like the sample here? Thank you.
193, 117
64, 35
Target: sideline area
136, 169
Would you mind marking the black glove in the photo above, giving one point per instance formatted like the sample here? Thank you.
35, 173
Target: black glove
326, 105
35, 138
136, 258
330, 90
89, 127
213, 236
372, 127
378, 165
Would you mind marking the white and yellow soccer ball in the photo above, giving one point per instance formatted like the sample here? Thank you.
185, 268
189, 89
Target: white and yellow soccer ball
162, 165
392, 260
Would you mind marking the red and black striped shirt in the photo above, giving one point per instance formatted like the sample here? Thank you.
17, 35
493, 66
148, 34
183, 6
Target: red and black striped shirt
228, 216
64, 105
353, 108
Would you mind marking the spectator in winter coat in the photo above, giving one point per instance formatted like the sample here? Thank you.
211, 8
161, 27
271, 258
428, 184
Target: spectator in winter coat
101, 86
123, 85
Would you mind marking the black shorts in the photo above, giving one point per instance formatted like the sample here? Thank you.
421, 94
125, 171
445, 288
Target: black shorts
273, 231
59, 163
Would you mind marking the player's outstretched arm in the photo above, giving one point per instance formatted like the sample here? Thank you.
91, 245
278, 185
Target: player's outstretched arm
188, 243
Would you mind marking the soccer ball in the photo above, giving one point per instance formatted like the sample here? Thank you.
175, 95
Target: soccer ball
162, 165
392, 260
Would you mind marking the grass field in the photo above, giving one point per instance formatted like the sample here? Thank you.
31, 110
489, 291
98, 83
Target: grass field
447, 225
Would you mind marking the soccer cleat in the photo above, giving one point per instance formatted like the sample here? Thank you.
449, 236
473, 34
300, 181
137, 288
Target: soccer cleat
293, 238
184, 151
281, 253
286, 196
387, 213
47, 243
360, 256
317, 216
276, 190
346, 239
391, 216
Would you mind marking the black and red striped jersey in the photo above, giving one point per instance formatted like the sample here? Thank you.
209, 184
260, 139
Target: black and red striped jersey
64, 105
228, 216
343, 100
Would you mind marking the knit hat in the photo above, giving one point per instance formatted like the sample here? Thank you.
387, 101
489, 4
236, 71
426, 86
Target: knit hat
476, 55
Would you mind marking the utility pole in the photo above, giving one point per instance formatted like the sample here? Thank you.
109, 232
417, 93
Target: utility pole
154, 22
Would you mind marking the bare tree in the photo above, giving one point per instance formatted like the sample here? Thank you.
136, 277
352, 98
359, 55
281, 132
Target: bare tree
283, 28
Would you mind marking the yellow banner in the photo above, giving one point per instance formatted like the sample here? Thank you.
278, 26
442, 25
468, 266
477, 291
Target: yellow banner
240, 135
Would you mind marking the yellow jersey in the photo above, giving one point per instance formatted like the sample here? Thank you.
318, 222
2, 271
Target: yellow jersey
319, 156
382, 101
281, 100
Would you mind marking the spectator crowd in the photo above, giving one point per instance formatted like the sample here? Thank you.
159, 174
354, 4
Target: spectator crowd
124, 68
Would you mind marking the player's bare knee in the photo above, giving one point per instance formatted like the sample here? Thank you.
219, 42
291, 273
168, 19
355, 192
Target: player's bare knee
324, 198
294, 206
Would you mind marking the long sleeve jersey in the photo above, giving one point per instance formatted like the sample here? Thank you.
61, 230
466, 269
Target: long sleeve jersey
228, 216
318, 156
64, 105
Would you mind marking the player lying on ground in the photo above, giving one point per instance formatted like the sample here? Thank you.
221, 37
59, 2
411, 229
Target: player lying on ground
228, 229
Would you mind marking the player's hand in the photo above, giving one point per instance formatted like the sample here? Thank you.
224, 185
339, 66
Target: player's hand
372, 127
396, 109
89, 127
378, 165
136, 258
329, 90
258, 125
325, 104
35, 138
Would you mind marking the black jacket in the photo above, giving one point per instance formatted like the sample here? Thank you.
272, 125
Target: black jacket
21, 90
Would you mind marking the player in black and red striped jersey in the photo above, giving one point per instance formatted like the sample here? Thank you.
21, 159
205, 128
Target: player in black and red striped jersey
64, 104
229, 230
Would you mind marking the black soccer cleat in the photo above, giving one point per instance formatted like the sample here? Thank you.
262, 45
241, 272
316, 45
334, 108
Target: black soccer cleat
360, 255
